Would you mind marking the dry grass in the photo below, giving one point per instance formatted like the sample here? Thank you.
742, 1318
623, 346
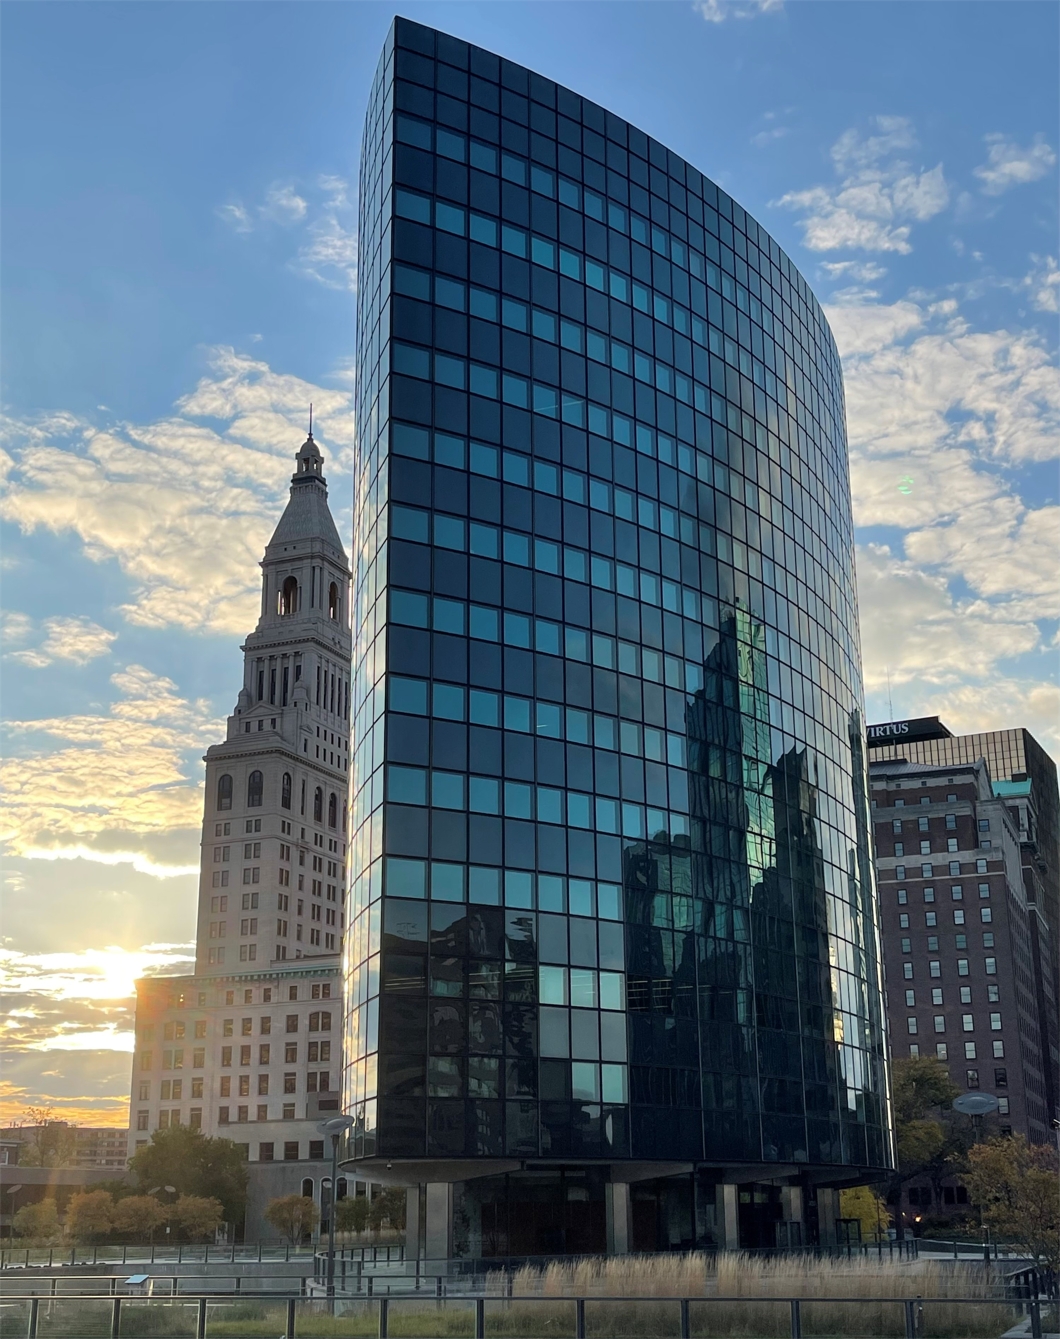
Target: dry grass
865, 1282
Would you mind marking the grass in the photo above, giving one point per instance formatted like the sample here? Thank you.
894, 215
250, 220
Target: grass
542, 1305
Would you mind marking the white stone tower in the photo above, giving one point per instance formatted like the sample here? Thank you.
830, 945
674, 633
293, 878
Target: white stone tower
274, 817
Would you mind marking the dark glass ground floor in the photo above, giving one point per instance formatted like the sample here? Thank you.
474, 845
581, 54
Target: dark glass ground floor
580, 1210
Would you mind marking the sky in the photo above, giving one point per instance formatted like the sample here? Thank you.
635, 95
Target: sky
177, 283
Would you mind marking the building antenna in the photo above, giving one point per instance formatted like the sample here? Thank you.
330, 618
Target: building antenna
890, 704
310, 418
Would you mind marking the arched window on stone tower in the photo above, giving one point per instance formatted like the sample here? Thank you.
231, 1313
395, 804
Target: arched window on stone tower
255, 788
318, 805
333, 810
224, 792
288, 602
285, 790
333, 601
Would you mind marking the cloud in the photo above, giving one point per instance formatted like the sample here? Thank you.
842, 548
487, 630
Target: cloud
1043, 283
110, 783
236, 217
327, 251
942, 421
283, 205
717, 11
216, 472
913, 630
76, 639
879, 195
863, 272
1008, 165
769, 136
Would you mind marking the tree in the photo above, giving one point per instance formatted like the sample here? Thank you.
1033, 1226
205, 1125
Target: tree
351, 1214
294, 1216
929, 1142
50, 1143
1015, 1186
197, 1217
388, 1207
137, 1216
194, 1165
38, 1221
90, 1215
862, 1203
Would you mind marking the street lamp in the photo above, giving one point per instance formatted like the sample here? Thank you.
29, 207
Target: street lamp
336, 1128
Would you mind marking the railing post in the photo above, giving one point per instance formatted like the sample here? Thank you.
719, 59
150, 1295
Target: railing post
910, 1320
383, 1308
34, 1309
287, 1252
686, 1319
290, 1318
73, 1255
369, 1288
1036, 1319
480, 1318
796, 1318
200, 1320
259, 1252
115, 1318
579, 1318
124, 1252
95, 1254
113, 1285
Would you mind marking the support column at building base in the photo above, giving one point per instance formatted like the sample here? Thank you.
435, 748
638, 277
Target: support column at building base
437, 1226
827, 1213
728, 1216
619, 1224
413, 1235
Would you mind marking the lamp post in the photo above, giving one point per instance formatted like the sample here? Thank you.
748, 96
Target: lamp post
335, 1128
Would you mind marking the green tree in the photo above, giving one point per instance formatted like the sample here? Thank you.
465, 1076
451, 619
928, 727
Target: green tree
351, 1214
388, 1207
194, 1165
90, 1216
293, 1216
929, 1142
138, 1216
1015, 1186
196, 1217
38, 1222
862, 1203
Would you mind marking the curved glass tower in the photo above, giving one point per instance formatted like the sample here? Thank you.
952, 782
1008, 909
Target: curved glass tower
613, 973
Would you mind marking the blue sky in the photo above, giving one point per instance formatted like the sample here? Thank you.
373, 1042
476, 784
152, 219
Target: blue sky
177, 281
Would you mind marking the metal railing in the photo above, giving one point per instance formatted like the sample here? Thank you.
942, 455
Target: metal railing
32, 1317
52, 1257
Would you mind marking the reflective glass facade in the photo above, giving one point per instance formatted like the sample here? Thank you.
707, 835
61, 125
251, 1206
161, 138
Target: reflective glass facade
612, 895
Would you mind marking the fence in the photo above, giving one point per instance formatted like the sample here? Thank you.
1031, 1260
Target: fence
52, 1257
205, 1316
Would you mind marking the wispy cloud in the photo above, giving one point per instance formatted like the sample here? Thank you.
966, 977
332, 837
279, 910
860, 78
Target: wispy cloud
878, 197
79, 640
284, 205
323, 216
105, 787
1008, 164
1043, 283
942, 419
236, 216
717, 11
217, 471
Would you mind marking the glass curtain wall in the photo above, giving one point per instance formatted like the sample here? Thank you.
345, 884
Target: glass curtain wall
611, 891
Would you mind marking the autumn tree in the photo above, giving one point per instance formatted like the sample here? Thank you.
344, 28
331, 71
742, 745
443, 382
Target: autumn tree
138, 1216
293, 1216
1015, 1186
351, 1214
929, 1141
196, 1217
862, 1203
38, 1222
194, 1165
90, 1216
